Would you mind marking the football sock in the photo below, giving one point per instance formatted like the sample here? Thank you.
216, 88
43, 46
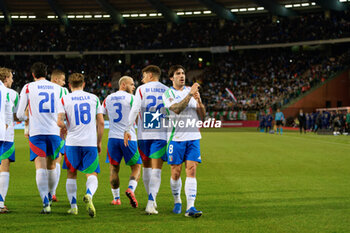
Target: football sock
176, 189
146, 177
116, 194
91, 185
132, 185
43, 184
71, 188
190, 191
281, 131
52, 176
278, 130
4, 185
58, 172
154, 184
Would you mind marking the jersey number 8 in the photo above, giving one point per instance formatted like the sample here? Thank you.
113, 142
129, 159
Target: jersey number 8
170, 149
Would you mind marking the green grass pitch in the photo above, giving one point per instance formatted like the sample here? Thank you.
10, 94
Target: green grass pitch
248, 182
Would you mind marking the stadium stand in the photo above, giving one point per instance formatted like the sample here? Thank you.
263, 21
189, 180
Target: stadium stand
92, 36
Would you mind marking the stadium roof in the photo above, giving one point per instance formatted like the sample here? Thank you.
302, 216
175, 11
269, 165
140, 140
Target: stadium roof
171, 10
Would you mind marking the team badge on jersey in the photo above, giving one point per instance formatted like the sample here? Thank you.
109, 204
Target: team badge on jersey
152, 120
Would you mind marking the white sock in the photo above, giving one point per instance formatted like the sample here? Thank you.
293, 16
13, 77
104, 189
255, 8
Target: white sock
146, 177
176, 189
42, 183
58, 172
116, 194
91, 185
132, 185
154, 184
52, 177
190, 191
4, 186
71, 188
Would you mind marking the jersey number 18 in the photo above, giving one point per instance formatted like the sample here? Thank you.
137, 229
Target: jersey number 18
82, 110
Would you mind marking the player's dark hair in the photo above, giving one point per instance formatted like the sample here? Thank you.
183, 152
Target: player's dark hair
155, 70
173, 69
76, 80
39, 69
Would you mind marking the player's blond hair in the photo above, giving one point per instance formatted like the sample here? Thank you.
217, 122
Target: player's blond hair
57, 73
4, 73
76, 80
123, 80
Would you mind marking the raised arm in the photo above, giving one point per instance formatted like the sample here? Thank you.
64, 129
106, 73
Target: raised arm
179, 107
200, 107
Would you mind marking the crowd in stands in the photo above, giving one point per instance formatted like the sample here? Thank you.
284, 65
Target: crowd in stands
263, 81
258, 79
151, 34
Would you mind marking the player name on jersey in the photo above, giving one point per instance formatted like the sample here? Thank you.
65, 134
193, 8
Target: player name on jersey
45, 87
81, 98
154, 89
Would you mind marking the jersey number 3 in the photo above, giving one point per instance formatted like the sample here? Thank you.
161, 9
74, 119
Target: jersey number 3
118, 110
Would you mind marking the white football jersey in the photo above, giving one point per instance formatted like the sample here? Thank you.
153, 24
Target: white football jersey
148, 98
42, 98
117, 106
5, 111
13, 98
65, 91
187, 130
81, 109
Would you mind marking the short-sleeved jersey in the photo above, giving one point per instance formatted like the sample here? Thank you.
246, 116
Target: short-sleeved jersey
279, 116
148, 98
5, 111
13, 99
42, 98
189, 116
81, 109
118, 105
